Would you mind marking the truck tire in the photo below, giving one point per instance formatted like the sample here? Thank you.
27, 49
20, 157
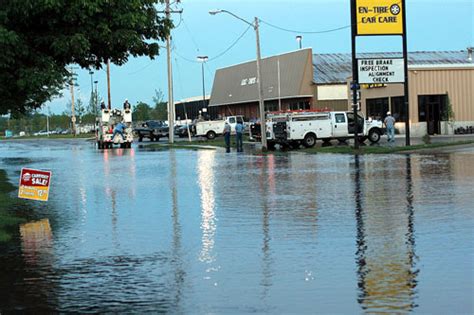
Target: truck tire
271, 146
309, 140
211, 135
374, 135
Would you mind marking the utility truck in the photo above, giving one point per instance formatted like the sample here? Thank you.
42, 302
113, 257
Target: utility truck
106, 123
211, 128
306, 127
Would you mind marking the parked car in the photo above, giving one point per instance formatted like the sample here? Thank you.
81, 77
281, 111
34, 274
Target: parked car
152, 129
182, 130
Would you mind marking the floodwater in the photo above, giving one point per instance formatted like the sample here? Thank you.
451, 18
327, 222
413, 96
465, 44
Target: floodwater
187, 231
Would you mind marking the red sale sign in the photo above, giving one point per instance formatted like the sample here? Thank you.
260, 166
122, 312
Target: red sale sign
34, 184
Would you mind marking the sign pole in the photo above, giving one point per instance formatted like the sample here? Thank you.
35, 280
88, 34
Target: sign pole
405, 58
355, 72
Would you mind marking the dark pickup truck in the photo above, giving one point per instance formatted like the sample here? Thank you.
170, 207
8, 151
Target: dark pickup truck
152, 129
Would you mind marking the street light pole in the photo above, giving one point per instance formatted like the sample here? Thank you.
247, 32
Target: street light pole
259, 75
96, 98
203, 59
260, 91
299, 39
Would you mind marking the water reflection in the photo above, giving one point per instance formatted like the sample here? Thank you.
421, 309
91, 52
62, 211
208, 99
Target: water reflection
36, 242
179, 273
206, 181
385, 253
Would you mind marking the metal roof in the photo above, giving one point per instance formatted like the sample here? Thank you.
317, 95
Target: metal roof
238, 83
336, 68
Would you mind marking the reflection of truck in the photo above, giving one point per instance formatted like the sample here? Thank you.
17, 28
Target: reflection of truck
305, 128
212, 128
107, 121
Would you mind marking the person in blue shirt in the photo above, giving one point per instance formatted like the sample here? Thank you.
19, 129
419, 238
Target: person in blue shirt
239, 131
119, 128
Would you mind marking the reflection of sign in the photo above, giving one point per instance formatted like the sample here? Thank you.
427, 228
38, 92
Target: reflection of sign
379, 17
34, 184
381, 71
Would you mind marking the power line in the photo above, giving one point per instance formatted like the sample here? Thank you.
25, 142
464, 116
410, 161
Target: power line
231, 46
306, 32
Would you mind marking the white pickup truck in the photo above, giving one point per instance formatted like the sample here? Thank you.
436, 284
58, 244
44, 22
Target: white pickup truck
212, 128
307, 127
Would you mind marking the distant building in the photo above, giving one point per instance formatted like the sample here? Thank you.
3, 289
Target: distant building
301, 80
192, 107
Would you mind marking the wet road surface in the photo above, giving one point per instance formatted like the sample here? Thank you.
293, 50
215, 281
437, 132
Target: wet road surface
186, 231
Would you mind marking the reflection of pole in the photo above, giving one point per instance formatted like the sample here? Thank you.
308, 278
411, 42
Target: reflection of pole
178, 268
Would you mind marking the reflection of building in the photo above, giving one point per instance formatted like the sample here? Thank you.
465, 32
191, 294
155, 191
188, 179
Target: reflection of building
301, 80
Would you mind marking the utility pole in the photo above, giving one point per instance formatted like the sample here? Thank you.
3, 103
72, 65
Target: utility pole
73, 114
171, 115
171, 108
108, 84
260, 91
47, 121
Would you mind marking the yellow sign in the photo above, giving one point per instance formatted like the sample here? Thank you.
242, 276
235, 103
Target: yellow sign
379, 17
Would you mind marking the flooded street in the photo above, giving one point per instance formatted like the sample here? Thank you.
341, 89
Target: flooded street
201, 231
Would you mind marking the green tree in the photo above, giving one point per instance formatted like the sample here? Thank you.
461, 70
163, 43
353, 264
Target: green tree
39, 38
141, 112
160, 111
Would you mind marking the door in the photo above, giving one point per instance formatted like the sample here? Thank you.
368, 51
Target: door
430, 109
340, 125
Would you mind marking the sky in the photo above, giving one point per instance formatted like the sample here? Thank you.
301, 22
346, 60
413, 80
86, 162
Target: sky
432, 25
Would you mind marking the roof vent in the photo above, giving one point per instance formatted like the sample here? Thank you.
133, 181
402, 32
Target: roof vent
469, 53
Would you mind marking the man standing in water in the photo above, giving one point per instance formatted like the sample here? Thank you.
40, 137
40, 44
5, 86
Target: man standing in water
239, 130
226, 133
390, 124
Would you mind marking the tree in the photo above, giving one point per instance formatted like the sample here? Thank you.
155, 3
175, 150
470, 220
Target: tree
160, 112
39, 38
141, 112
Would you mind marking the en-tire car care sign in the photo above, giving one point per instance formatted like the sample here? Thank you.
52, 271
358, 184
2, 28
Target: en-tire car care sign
379, 17
34, 184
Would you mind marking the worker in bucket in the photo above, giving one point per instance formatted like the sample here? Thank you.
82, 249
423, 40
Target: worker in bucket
126, 104
119, 128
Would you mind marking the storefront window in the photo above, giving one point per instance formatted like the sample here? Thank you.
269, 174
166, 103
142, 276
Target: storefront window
377, 108
398, 108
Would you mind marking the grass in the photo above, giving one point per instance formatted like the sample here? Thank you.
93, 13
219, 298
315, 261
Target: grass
384, 149
7, 220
